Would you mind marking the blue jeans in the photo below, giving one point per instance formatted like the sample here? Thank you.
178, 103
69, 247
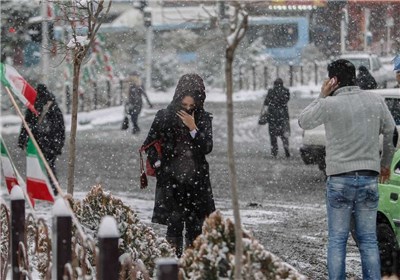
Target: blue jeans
347, 196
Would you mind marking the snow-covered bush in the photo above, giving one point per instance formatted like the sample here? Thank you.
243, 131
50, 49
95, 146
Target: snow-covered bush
136, 238
213, 254
165, 72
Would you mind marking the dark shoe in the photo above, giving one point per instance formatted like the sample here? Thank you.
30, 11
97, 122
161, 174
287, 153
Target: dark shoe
188, 243
177, 244
136, 130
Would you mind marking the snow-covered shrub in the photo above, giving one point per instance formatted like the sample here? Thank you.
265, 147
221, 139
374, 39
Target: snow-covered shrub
165, 72
213, 255
136, 238
4, 234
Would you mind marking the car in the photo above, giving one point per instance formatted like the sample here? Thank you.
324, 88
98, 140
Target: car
388, 221
382, 75
312, 149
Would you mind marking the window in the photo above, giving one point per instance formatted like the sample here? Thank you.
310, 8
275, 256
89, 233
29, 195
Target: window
360, 61
275, 35
394, 108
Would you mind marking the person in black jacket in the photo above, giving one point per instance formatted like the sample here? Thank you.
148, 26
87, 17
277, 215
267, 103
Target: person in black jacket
183, 196
134, 103
364, 79
278, 116
48, 127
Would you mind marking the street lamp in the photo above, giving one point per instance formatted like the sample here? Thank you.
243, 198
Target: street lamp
149, 39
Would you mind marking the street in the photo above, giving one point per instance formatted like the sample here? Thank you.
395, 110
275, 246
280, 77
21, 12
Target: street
282, 200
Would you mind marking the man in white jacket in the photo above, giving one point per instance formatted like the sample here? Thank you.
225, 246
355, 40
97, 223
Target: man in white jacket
353, 121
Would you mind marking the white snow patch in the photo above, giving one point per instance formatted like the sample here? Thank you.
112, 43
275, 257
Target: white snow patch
16, 193
108, 227
60, 209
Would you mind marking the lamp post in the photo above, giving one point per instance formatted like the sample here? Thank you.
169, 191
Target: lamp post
44, 53
149, 39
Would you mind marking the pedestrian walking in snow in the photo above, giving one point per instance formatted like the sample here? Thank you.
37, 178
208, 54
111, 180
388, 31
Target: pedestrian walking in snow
183, 196
364, 79
48, 127
353, 121
278, 116
134, 102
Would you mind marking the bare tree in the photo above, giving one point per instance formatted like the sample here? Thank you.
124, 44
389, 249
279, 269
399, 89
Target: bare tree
234, 30
87, 15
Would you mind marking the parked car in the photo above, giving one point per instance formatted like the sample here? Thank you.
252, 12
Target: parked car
382, 75
312, 150
388, 221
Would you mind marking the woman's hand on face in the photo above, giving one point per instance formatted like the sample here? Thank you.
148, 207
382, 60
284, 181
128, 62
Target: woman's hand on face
187, 119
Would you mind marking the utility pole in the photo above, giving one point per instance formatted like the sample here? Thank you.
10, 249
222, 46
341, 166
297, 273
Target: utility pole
44, 58
149, 39
389, 25
343, 30
367, 33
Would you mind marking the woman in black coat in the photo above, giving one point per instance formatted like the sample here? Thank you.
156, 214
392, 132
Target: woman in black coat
278, 116
134, 103
48, 127
183, 195
364, 79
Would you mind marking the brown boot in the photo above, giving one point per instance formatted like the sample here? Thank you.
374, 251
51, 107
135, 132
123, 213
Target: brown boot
177, 244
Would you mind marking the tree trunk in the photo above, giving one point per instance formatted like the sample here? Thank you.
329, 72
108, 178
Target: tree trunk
74, 122
231, 162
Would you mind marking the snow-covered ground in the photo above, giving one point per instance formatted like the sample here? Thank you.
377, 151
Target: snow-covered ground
10, 123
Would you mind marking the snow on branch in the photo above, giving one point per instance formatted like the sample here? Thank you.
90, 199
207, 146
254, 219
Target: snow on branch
238, 25
77, 42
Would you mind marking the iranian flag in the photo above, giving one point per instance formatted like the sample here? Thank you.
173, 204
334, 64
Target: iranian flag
8, 168
16, 83
37, 182
10, 173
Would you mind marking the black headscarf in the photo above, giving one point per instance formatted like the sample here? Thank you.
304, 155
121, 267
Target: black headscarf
43, 96
189, 85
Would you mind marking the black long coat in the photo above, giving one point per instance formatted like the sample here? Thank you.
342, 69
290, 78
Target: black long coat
365, 80
48, 128
278, 112
183, 162
134, 101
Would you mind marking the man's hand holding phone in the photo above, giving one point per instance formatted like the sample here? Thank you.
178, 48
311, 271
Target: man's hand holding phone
329, 86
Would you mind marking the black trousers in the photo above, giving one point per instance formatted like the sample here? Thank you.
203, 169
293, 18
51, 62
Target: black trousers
274, 144
183, 214
134, 119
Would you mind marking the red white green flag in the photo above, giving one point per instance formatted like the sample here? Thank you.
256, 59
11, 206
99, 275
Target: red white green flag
10, 173
37, 182
8, 168
16, 83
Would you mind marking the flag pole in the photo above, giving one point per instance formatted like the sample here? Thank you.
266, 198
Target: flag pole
48, 169
18, 176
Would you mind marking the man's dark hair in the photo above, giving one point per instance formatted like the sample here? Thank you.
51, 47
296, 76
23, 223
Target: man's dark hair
344, 71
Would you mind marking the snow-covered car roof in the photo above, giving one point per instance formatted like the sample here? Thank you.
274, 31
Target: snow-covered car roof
356, 55
388, 92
